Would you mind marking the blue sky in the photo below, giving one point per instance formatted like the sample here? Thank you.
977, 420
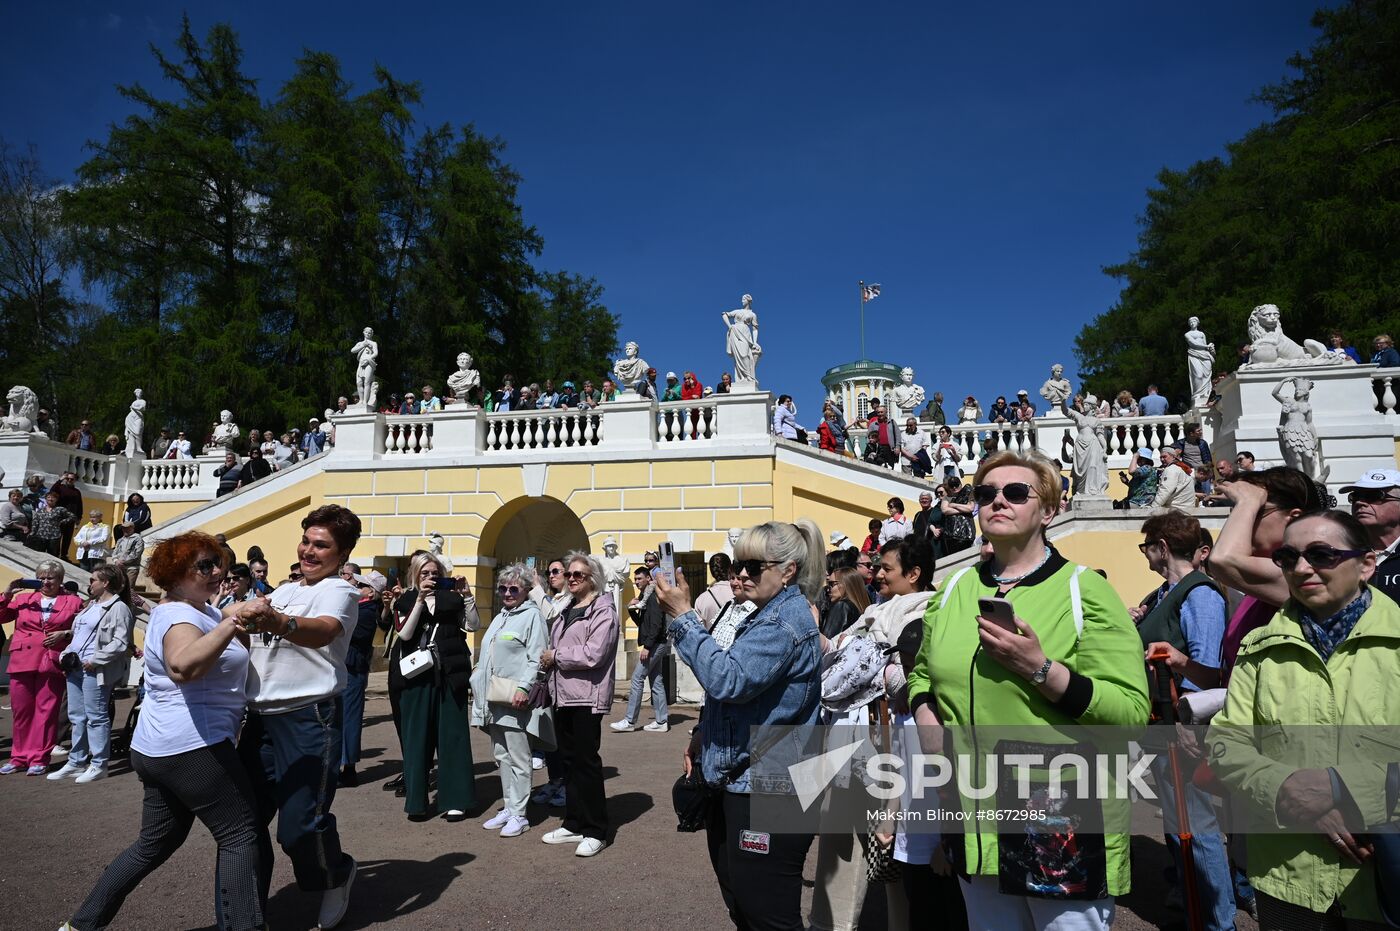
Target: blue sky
982, 162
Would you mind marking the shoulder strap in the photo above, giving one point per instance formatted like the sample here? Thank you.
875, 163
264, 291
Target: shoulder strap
1076, 601
952, 583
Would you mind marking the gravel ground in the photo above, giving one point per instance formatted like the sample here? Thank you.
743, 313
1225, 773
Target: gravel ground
425, 875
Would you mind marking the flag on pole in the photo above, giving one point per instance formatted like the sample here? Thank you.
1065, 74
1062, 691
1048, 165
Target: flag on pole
869, 292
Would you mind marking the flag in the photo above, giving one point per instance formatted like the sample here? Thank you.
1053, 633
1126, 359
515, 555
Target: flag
869, 292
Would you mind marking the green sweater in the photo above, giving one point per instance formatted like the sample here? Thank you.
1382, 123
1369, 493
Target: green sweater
1109, 686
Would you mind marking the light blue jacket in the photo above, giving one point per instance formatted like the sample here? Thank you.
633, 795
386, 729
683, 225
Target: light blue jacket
784, 422
511, 649
771, 675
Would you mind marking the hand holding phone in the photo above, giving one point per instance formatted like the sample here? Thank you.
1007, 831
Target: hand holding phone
667, 552
1000, 612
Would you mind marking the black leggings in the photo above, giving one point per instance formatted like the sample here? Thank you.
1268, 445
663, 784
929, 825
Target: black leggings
209, 784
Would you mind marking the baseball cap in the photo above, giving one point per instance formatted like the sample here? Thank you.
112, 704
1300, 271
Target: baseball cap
1375, 478
373, 579
1144, 453
568, 384
670, 374
1023, 391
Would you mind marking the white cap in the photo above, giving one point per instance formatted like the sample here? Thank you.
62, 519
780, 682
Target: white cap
374, 579
1375, 478
1023, 391
670, 374
1145, 453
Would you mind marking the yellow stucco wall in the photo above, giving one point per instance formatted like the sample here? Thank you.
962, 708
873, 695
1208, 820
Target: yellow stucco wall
1117, 554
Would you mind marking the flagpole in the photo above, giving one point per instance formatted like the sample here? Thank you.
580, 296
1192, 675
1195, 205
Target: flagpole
862, 320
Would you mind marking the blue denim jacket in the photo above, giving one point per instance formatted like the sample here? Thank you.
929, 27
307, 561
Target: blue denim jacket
771, 675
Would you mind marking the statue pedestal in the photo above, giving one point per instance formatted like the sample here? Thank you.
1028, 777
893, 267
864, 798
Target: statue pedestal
1091, 504
1354, 436
743, 386
1052, 432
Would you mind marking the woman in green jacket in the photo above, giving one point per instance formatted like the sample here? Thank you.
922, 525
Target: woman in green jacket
1330, 659
1075, 658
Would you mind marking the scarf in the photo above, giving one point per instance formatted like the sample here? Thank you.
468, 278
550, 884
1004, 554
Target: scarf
1327, 634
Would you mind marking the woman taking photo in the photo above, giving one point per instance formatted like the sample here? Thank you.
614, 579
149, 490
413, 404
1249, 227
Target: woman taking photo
43, 622
581, 656
433, 706
196, 673
1074, 658
505, 670
1327, 658
770, 675
101, 641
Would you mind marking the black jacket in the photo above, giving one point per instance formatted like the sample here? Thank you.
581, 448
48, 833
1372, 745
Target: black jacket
651, 623
454, 658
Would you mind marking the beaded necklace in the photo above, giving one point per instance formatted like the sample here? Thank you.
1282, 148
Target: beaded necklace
1011, 580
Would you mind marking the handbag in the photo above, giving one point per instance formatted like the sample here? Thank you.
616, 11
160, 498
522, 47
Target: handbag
500, 690
880, 864
68, 661
538, 696
695, 800
419, 661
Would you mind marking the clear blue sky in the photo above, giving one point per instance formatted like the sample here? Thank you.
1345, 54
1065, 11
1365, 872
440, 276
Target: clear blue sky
980, 162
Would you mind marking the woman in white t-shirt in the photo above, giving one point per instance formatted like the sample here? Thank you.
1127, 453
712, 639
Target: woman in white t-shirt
196, 675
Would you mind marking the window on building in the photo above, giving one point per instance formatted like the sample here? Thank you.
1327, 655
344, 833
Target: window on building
862, 406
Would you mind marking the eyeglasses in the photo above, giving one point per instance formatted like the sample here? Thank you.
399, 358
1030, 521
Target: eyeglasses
509, 589
555, 571
1013, 492
1371, 495
205, 566
1143, 547
753, 568
576, 576
1318, 555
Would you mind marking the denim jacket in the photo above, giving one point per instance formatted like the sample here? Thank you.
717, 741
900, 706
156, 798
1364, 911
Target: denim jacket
771, 675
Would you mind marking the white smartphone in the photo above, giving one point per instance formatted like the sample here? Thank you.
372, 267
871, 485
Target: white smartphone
1000, 612
667, 552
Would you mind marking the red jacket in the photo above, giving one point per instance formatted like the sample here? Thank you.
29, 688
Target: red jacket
826, 439
27, 650
694, 391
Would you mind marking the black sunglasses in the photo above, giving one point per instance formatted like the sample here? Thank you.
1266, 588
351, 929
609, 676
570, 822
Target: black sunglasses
1370, 495
1318, 555
753, 568
1013, 492
509, 589
206, 565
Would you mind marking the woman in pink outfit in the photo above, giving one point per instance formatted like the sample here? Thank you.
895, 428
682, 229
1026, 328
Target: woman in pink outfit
43, 626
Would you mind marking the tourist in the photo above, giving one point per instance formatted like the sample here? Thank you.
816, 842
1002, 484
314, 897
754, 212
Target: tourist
179, 448
431, 403
507, 664
434, 705
785, 425
313, 443
904, 579
770, 675
652, 650
138, 512
970, 412
1338, 343
1185, 617
590, 397
1224, 470
82, 438
832, 432
1124, 406
672, 391
47, 525
1244, 462
371, 617
14, 519
1175, 488
1075, 659
112, 446
1000, 411
1375, 503
293, 725
1326, 658
1203, 485
1024, 402
896, 525
725, 383
580, 659
1152, 404
45, 424
1194, 450
1385, 354
43, 620
257, 467
127, 553
865, 565
928, 522
34, 498
284, 452
93, 540
913, 449
647, 388
101, 640
872, 539
609, 392
710, 603
933, 411
846, 597
884, 438
228, 474
236, 587
409, 405
568, 395
959, 528
948, 454
1141, 482
550, 594
72, 500
196, 669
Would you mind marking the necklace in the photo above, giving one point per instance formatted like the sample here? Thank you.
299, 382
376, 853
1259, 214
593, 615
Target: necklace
1012, 579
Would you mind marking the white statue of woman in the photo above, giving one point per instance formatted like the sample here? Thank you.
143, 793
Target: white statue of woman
1200, 362
631, 368
907, 396
136, 428
742, 341
464, 379
1297, 435
366, 353
1090, 468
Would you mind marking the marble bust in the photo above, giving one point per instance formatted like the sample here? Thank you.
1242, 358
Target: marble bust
614, 566
1057, 389
1270, 348
631, 368
742, 341
464, 379
907, 396
225, 433
732, 540
366, 353
435, 544
135, 427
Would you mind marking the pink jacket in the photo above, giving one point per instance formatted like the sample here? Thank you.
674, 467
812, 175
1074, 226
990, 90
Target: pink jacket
27, 650
584, 656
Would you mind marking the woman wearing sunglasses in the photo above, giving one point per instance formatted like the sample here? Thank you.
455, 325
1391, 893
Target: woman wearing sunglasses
506, 666
434, 705
43, 622
581, 656
1073, 657
769, 675
1327, 658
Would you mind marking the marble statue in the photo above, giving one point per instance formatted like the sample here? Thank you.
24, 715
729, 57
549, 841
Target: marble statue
732, 540
1297, 435
1090, 467
742, 341
1200, 362
366, 353
136, 428
435, 543
615, 568
24, 411
1056, 389
226, 433
907, 396
630, 369
1270, 348
464, 379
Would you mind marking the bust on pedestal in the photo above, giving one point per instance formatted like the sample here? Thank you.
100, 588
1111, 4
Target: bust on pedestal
630, 370
225, 434
907, 396
462, 381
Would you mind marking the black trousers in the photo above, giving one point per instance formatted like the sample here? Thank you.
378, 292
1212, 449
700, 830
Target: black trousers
931, 894
209, 784
760, 874
580, 734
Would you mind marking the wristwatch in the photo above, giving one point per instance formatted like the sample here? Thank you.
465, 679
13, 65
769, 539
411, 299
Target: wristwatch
292, 628
1038, 677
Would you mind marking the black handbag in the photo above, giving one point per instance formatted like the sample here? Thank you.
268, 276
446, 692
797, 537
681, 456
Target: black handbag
695, 799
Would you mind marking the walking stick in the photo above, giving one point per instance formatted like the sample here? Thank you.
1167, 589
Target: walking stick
1164, 712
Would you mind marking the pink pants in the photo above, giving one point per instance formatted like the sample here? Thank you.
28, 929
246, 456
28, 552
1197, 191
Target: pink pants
35, 698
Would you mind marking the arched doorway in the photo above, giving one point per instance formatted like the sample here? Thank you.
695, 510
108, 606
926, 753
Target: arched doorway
543, 528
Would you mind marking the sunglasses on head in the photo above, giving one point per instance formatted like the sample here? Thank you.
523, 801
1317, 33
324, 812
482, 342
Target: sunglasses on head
1370, 495
1013, 492
1318, 555
753, 568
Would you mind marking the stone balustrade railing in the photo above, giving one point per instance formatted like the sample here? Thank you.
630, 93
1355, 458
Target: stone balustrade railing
687, 421
1385, 384
510, 431
408, 435
172, 474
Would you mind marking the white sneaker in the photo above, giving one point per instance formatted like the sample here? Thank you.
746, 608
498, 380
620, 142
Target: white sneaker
562, 836
59, 751
336, 902
515, 827
537, 763
589, 847
560, 799
70, 770
92, 774
497, 821
658, 727
623, 726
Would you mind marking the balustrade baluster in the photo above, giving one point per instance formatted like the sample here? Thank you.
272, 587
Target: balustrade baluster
1388, 401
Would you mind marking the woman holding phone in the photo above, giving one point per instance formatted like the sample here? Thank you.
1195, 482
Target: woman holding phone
43, 618
432, 657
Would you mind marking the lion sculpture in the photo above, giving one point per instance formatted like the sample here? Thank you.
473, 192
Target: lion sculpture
24, 411
1270, 348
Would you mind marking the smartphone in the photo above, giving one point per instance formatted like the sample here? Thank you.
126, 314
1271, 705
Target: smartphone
667, 552
999, 611
29, 583
447, 583
529, 562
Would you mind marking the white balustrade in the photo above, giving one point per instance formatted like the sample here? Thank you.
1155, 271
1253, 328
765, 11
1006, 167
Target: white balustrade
1123, 436
170, 475
1383, 384
408, 435
508, 431
687, 421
